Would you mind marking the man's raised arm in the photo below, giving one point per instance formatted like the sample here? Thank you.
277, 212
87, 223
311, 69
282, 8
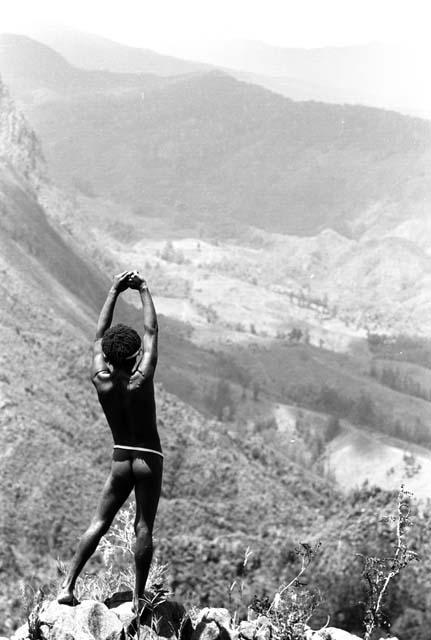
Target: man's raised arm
120, 283
149, 360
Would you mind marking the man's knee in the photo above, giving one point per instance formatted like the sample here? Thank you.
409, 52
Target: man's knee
143, 533
99, 527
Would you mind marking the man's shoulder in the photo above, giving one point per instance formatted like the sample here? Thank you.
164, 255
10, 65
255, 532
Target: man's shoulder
101, 377
141, 380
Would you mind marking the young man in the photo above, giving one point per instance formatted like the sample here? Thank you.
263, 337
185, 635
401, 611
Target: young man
122, 373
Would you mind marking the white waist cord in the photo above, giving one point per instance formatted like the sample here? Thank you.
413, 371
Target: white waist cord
121, 446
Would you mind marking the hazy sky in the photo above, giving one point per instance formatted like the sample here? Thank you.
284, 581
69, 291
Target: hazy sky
307, 23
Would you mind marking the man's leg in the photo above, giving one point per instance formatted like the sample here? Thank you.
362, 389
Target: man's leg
115, 492
148, 481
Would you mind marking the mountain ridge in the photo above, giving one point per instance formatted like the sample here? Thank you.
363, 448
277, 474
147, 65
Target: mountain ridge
209, 146
99, 53
383, 76
375, 74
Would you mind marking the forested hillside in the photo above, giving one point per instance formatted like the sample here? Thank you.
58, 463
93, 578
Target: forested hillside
208, 147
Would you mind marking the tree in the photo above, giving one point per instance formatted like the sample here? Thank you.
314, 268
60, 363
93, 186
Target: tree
333, 428
295, 335
256, 390
364, 410
222, 403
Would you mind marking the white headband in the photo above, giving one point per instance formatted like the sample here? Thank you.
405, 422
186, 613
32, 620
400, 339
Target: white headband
133, 355
128, 357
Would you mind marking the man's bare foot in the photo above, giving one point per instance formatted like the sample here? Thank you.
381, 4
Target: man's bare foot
66, 596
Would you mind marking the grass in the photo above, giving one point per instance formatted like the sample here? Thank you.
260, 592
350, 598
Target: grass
287, 614
117, 550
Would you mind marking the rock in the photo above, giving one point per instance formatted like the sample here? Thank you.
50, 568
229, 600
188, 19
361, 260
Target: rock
257, 629
21, 633
220, 616
263, 628
167, 619
331, 633
89, 620
213, 624
172, 620
92, 620
120, 603
247, 629
125, 613
209, 631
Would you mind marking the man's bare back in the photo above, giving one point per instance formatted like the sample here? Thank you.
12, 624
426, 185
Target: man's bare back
129, 406
122, 374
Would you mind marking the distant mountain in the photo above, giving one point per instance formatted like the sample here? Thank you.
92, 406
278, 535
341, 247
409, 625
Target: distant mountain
41, 74
385, 76
207, 147
327, 66
301, 90
93, 52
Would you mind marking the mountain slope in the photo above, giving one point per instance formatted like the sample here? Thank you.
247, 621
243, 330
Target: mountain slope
210, 147
40, 74
384, 76
380, 75
25, 230
94, 52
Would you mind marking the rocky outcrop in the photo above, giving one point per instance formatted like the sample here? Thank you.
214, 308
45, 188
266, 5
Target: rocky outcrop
19, 145
115, 620
88, 621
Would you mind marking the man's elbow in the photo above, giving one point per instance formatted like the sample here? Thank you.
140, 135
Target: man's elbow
152, 329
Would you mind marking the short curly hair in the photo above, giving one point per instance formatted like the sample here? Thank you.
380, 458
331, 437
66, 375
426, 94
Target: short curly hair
119, 343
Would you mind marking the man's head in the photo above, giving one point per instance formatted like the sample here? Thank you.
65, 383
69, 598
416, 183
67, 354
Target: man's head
120, 345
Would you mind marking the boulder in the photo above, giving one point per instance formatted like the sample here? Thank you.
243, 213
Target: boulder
112, 620
220, 616
166, 619
21, 633
263, 628
331, 633
258, 628
213, 624
247, 629
170, 620
209, 631
89, 620
125, 613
